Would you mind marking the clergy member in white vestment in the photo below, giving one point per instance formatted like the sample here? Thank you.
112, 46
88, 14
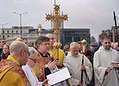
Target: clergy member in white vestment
74, 63
104, 57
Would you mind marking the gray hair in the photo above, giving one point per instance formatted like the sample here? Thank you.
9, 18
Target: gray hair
17, 46
74, 44
32, 52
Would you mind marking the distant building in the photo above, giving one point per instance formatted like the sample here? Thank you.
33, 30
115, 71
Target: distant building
10, 34
45, 31
110, 33
29, 33
116, 33
69, 35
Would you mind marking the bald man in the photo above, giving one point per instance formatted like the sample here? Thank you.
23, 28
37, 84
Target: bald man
11, 73
74, 63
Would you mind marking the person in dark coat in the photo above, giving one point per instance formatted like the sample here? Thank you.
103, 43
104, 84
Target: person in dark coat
5, 52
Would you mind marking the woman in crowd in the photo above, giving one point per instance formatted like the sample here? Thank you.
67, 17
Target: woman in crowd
5, 51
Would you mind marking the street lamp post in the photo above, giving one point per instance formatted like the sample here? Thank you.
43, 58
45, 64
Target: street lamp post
20, 21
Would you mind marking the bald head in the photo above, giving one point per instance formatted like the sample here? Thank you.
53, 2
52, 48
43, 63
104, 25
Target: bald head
52, 39
74, 48
19, 39
16, 46
19, 50
32, 52
74, 44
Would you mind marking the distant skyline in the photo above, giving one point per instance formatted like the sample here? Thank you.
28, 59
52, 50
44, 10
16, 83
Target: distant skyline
94, 14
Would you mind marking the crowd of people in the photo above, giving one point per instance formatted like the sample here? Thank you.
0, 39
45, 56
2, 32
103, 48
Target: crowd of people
23, 65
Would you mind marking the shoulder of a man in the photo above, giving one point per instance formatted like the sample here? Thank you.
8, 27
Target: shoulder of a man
98, 51
114, 51
61, 50
12, 72
5, 66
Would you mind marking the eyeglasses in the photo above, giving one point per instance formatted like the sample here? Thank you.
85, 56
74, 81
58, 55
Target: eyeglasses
107, 42
2, 41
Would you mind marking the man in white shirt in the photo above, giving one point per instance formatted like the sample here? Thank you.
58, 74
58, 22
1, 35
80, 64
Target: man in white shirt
103, 59
74, 63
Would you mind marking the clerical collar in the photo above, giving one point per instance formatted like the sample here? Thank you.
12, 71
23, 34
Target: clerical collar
44, 54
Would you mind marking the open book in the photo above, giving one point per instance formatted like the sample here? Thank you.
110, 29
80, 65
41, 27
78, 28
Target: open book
60, 75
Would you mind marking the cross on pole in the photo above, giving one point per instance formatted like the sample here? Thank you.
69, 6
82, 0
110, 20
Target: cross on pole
56, 20
54, 2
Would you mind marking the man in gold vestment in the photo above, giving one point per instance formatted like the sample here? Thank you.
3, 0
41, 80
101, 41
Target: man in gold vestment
43, 61
11, 73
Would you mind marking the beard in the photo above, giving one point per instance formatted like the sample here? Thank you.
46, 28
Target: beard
75, 54
107, 48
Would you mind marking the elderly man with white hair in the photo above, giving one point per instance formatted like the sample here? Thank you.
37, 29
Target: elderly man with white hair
11, 73
74, 62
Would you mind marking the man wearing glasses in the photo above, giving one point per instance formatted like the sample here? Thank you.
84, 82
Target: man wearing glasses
105, 74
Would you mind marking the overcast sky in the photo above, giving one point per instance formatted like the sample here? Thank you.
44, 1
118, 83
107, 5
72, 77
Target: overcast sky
94, 14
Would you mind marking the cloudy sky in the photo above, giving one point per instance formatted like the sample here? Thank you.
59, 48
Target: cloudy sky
94, 14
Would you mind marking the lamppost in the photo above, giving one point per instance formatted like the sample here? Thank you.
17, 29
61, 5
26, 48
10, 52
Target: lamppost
20, 20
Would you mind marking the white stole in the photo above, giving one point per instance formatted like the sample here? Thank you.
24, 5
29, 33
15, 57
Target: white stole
31, 76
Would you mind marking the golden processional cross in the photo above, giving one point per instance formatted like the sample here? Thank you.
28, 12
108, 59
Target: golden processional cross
56, 20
